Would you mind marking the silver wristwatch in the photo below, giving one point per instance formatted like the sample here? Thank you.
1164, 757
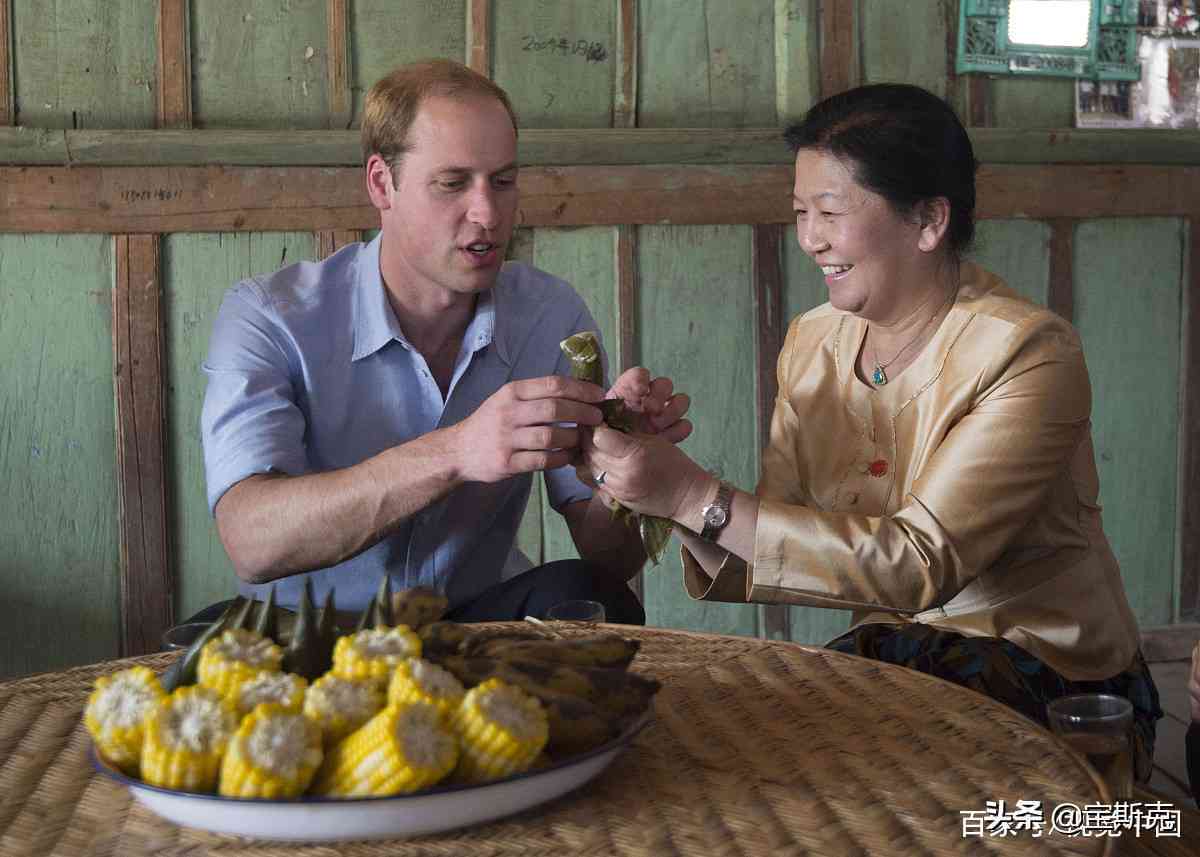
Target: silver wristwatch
716, 513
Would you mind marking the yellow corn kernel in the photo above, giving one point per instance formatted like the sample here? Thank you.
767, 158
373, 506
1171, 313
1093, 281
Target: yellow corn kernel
186, 736
402, 749
285, 689
116, 713
501, 728
341, 705
273, 754
234, 657
374, 653
418, 680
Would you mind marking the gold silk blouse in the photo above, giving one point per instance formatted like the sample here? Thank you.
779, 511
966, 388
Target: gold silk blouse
962, 494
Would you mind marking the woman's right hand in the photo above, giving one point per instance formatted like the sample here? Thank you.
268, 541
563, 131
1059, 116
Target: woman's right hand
647, 473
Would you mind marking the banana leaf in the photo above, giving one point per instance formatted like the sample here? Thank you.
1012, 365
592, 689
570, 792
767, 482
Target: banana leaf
583, 350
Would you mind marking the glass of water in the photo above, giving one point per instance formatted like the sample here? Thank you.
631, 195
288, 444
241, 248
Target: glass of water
1098, 725
580, 610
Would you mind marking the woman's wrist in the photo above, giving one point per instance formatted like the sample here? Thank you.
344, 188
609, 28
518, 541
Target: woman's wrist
701, 490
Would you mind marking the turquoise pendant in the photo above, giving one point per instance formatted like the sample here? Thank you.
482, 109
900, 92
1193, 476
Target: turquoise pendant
878, 377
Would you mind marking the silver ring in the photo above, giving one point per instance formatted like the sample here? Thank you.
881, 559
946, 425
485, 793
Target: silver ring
599, 480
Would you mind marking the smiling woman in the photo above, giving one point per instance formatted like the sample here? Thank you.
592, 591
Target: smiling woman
930, 461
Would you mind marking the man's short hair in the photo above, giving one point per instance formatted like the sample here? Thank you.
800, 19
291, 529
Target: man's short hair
393, 102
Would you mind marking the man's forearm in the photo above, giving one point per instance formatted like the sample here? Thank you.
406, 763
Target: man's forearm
274, 526
605, 542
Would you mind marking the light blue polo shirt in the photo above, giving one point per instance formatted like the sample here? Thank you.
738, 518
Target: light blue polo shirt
308, 371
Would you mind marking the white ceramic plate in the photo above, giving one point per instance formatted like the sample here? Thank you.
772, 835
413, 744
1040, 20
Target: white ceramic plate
313, 819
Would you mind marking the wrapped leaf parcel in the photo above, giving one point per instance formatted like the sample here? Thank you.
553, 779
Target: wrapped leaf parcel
583, 350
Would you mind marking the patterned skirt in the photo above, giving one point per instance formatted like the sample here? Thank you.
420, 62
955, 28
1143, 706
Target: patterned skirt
1007, 673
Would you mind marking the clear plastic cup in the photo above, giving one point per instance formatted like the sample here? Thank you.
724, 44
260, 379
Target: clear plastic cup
1098, 725
580, 610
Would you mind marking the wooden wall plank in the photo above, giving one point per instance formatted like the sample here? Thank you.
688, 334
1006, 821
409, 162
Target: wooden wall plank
804, 288
1127, 301
337, 15
197, 271
330, 241
567, 147
59, 531
479, 36
1032, 102
710, 65
1189, 523
627, 351
905, 41
149, 199
766, 263
7, 113
840, 62
388, 33
797, 58
1060, 295
556, 61
260, 64
137, 341
174, 65
584, 258
626, 65
84, 64
1019, 252
695, 322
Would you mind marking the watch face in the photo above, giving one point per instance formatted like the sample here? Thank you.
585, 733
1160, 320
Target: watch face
714, 516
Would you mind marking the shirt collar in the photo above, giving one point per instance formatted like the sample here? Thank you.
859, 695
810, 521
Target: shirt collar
375, 323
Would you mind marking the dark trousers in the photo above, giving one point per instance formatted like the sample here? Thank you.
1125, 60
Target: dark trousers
532, 594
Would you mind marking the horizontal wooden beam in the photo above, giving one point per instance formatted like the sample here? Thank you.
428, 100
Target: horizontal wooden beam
556, 147
212, 199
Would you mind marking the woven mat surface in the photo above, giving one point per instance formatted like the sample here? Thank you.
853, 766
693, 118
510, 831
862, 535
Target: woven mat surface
756, 748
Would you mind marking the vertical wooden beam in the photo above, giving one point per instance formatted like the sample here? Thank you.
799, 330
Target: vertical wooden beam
7, 99
147, 606
979, 101
329, 241
766, 265
337, 13
479, 36
1061, 292
625, 107
627, 325
1189, 517
839, 47
174, 65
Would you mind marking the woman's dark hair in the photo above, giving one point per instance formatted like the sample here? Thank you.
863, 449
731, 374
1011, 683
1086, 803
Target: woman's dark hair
901, 142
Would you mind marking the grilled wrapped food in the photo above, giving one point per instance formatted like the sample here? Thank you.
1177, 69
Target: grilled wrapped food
583, 350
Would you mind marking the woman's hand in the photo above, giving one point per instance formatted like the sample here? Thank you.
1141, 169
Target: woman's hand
660, 410
1193, 683
645, 472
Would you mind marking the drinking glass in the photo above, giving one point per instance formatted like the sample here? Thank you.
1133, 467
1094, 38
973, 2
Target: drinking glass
577, 611
182, 636
1098, 726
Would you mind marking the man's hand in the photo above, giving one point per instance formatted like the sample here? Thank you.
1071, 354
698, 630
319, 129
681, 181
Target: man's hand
518, 428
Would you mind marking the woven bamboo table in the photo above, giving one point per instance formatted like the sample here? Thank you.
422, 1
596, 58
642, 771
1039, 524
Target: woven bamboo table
757, 748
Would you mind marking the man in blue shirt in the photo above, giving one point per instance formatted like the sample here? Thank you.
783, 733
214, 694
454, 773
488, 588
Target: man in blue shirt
382, 411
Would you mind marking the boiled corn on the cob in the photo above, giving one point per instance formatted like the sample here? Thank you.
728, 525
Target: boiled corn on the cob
273, 754
418, 680
286, 689
501, 729
341, 705
116, 714
402, 749
186, 736
374, 653
234, 657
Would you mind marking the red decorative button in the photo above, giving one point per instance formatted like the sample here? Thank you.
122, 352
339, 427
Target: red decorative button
878, 467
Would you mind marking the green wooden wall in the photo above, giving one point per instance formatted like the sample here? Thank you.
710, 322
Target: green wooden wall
262, 64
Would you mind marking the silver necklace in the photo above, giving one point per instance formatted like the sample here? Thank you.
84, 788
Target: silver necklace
878, 375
